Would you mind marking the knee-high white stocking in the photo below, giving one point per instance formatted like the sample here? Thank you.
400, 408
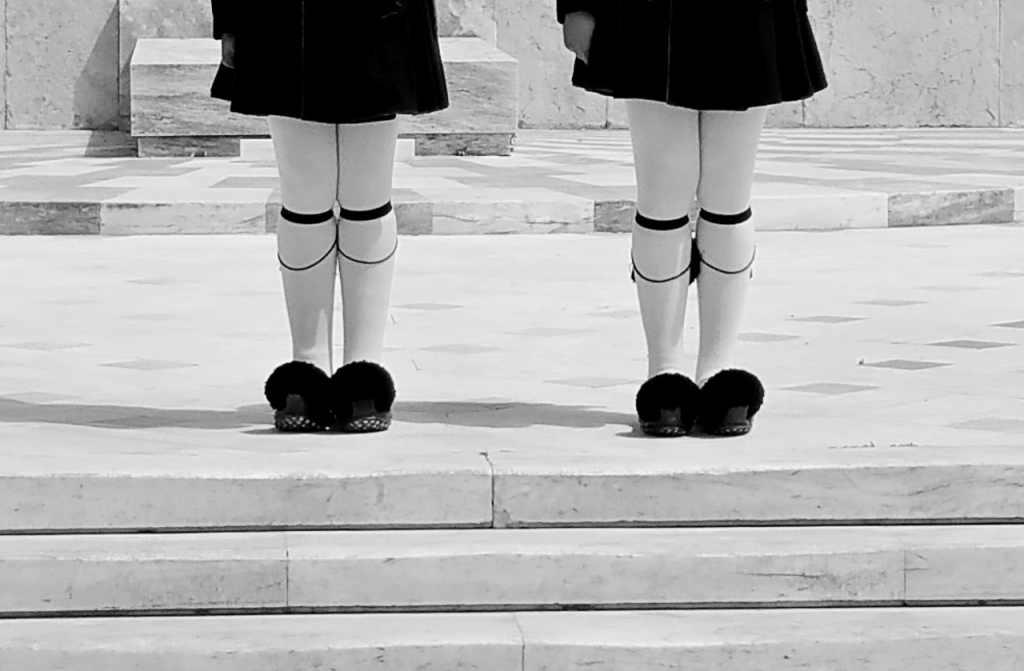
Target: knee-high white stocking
726, 245
661, 270
368, 241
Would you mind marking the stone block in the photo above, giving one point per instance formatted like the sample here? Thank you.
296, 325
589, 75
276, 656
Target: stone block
467, 18
196, 145
170, 94
3, 66
61, 64
544, 567
529, 32
984, 206
914, 63
172, 77
398, 642
399, 484
786, 115
156, 18
483, 86
681, 488
1012, 61
48, 574
904, 639
49, 218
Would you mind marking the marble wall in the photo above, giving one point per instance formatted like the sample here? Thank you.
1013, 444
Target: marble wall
907, 63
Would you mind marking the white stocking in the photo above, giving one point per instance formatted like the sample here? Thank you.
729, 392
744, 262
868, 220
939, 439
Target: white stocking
725, 231
307, 161
667, 159
368, 235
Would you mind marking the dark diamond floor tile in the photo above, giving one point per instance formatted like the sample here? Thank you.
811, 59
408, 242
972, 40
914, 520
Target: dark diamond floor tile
1001, 273
891, 302
970, 344
993, 424
39, 346
547, 331
459, 348
429, 306
906, 364
827, 319
592, 382
767, 337
149, 364
830, 388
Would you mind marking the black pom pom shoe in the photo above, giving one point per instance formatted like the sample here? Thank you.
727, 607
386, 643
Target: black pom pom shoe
298, 393
667, 405
729, 401
362, 394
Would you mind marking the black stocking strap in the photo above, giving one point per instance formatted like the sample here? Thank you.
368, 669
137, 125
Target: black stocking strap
307, 219
296, 218
369, 263
727, 219
367, 215
316, 263
704, 261
660, 224
637, 273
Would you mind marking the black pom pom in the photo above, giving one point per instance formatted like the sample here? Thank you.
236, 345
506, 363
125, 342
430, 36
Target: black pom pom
303, 379
361, 381
667, 391
728, 389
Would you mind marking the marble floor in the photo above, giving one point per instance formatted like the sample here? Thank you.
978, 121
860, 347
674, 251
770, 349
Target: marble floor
556, 181
898, 337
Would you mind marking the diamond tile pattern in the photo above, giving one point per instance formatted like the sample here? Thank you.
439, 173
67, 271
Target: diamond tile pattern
767, 337
971, 344
149, 364
994, 424
830, 388
905, 364
828, 319
891, 302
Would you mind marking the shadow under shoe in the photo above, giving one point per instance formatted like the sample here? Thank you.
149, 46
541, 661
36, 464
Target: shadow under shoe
298, 393
667, 405
728, 402
362, 395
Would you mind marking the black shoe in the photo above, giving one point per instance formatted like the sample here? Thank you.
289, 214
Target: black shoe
667, 405
362, 394
298, 393
729, 401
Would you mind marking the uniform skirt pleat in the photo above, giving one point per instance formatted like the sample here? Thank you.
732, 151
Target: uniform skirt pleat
335, 62
714, 55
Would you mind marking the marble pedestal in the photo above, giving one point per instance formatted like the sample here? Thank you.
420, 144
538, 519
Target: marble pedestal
172, 113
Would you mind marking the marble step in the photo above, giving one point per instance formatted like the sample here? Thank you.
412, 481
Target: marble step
511, 569
904, 639
59, 477
172, 113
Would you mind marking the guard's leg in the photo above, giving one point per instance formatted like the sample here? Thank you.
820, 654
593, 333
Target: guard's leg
666, 158
725, 241
307, 250
367, 243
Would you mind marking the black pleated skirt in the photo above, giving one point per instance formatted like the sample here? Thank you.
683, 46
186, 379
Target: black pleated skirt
334, 62
703, 55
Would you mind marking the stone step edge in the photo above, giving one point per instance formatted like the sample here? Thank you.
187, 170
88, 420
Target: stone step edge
672, 492
345, 572
441, 217
908, 639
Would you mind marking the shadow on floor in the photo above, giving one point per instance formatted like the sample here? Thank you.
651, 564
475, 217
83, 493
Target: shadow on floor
129, 417
506, 414
498, 415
